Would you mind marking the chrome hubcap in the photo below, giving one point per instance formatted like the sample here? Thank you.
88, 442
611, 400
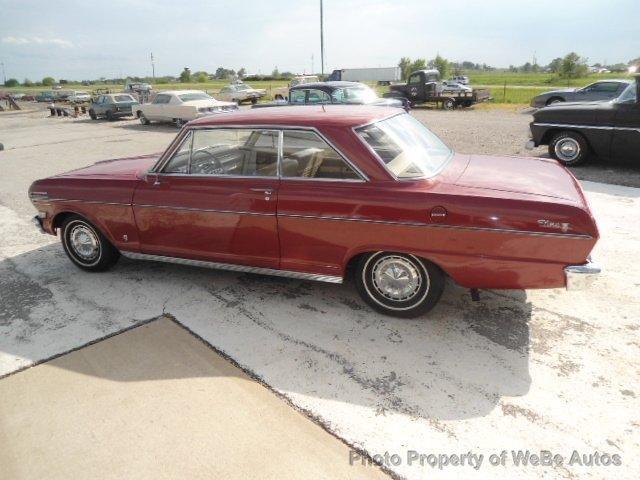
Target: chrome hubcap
396, 278
567, 149
84, 242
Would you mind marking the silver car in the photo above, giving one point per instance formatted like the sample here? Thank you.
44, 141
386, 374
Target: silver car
602, 90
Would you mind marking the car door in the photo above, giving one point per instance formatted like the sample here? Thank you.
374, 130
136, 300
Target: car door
156, 109
625, 143
415, 87
214, 199
320, 192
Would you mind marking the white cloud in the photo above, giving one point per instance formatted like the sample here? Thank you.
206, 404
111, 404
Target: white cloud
58, 42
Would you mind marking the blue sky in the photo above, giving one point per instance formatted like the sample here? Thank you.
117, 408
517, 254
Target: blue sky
83, 40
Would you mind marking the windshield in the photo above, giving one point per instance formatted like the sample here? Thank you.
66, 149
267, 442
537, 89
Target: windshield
356, 95
406, 147
629, 95
242, 87
187, 97
124, 98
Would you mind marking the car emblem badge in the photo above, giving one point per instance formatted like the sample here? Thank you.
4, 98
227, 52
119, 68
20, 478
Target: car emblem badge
564, 227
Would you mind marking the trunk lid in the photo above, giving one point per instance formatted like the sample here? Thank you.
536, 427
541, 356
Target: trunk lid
530, 176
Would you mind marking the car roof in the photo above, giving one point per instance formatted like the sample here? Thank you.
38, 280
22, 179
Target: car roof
302, 116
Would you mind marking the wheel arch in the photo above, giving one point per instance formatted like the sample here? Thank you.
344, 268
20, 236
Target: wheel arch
352, 259
60, 217
552, 132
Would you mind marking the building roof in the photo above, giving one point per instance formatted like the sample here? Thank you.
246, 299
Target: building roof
302, 116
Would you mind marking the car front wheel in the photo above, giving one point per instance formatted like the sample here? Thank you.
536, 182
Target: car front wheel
143, 120
398, 284
93, 115
86, 246
569, 148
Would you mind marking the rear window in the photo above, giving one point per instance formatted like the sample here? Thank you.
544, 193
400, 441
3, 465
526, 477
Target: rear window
406, 147
124, 98
187, 97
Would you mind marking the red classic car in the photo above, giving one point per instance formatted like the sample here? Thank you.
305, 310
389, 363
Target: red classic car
320, 192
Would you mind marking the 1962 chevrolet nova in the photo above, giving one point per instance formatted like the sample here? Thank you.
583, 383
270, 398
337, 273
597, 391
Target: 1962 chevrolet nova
317, 192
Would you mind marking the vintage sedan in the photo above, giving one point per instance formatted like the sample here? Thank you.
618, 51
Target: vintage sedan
329, 193
180, 106
575, 132
241, 92
112, 106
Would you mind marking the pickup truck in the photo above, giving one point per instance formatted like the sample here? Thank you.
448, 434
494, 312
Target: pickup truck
424, 86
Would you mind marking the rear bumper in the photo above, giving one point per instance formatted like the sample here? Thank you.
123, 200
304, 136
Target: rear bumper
581, 277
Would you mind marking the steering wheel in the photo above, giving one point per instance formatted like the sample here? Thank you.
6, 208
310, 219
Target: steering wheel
209, 166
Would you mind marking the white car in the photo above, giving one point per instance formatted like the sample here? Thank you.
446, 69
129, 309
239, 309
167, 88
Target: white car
181, 106
449, 86
462, 79
241, 92
78, 97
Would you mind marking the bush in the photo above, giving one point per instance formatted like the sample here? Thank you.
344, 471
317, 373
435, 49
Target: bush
48, 81
12, 82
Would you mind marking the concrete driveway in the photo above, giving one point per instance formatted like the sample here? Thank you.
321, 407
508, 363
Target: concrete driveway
536, 370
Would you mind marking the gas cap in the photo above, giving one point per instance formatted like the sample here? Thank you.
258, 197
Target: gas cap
438, 214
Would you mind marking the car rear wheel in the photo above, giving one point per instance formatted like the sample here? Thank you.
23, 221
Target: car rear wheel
143, 120
93, 115
398, 284
86, 247
254, 101
179, 122
449, 104
569, 148
110, 116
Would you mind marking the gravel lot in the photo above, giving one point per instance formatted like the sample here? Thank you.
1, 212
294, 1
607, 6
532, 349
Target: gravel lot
535, 370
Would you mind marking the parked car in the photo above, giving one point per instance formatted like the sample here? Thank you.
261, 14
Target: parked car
576, 131
352, 93
318, 193
462, 79
112, 106
18, 96
241, 92
282, 93
449, 86
46, 97
424, 86
181, 106
604, 90
78, 97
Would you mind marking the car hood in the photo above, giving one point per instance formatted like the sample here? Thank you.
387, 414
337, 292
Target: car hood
208, 103
571, 112
560, 90
118, 168
540, 177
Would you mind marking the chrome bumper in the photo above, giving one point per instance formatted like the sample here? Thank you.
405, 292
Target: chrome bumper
37, 221
580, 277
530, 145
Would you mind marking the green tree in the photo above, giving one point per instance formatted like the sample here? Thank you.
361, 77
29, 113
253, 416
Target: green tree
48, 81
27, 83
573, 66
185, 76
11, 82
417, 64
441, 64
405, 65
201, 77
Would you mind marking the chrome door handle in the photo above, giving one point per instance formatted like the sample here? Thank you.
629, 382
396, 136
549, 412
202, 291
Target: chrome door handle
266, 191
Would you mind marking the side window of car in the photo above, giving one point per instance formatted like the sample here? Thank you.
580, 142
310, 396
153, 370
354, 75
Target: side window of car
298, 96
161, 99
306, 155
179, 162
237, 152
414, 79
318, 96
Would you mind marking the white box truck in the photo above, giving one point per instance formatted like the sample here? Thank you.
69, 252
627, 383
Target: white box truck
382, 75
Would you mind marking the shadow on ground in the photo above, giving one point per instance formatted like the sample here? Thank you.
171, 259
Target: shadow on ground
311, 339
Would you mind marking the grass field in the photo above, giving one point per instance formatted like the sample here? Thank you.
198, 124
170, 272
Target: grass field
520, 87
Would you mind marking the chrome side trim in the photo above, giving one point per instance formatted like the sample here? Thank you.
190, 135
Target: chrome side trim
439, 225
580, 277
83, 201
191, 209
587, 127
233, 267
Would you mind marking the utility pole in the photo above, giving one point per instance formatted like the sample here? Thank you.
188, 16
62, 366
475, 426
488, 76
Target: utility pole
153, 67
312, 66
321, 38
4, 75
